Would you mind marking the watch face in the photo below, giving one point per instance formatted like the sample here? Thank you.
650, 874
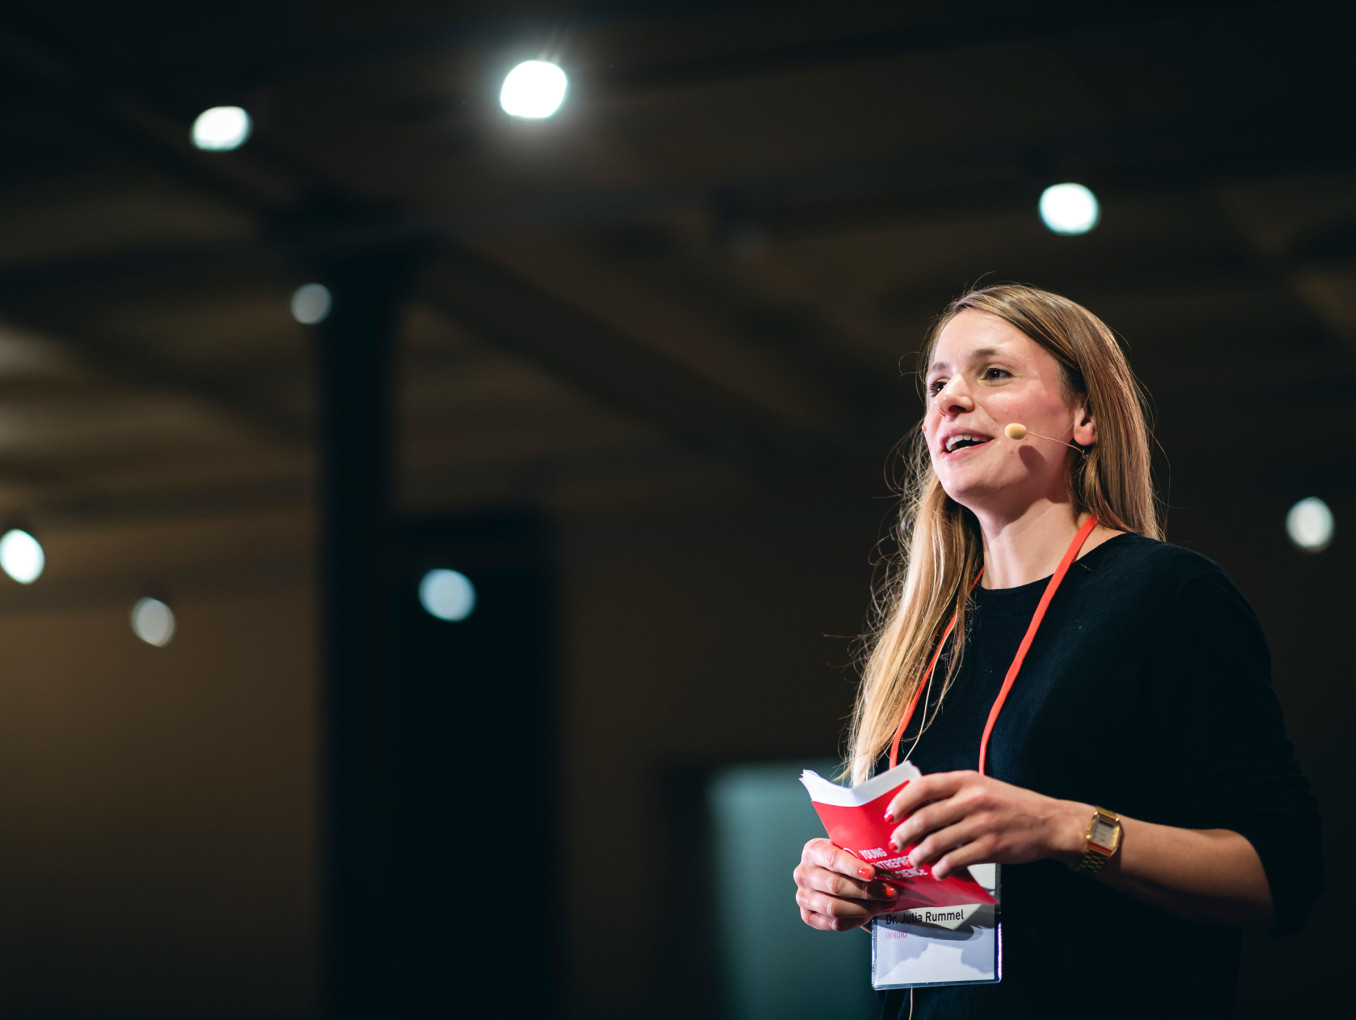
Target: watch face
1103, 834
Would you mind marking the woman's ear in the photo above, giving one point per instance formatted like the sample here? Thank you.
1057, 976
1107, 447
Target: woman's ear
1085, 427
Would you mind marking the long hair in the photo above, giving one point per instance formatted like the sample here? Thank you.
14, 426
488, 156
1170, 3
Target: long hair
939, 547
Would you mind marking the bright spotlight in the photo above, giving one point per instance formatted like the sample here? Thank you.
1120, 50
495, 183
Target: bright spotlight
311, 303
534, 88
153, 622
21, 556
221, 128
1310, 524
447, 594
1069, 208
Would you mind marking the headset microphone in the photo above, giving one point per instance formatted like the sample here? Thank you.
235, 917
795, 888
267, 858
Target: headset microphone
1019, 431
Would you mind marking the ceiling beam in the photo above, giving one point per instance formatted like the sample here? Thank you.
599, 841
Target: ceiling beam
609, 366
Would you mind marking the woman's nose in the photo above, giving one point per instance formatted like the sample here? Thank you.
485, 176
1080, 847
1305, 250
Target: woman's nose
953, 398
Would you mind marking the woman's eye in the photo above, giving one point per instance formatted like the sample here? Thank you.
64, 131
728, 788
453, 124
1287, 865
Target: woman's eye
935, 387
996, 373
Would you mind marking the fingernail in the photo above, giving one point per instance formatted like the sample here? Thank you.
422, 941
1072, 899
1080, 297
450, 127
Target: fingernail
890, 891
864, 872
889, 816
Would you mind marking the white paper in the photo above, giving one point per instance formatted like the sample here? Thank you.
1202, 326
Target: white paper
826, 792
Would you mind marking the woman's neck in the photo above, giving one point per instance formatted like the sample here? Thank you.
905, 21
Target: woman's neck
1027, 548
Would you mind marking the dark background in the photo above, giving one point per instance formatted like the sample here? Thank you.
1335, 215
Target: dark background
637, 370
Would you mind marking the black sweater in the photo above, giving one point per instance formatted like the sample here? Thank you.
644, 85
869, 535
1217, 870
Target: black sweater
1147, 691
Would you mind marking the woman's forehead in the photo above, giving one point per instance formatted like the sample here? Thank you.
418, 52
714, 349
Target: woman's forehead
975, 334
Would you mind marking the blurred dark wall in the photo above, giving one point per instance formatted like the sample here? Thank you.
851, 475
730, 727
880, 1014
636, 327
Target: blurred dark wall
690, 639
157, 811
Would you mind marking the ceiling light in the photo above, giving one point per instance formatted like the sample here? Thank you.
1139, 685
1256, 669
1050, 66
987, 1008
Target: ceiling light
1069, 208
1310, 524
153, 622
534, 88
221, 128
447, 594
21, 556
311, 303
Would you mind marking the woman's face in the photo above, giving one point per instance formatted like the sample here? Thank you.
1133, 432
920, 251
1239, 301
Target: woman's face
984, 375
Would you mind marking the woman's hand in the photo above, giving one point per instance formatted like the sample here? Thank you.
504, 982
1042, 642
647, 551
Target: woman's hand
835, 891
1210, 876
955, 819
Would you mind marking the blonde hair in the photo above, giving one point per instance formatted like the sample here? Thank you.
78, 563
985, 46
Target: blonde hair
939, 546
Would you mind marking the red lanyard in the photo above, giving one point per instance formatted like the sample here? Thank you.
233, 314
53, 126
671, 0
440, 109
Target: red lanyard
1051, 587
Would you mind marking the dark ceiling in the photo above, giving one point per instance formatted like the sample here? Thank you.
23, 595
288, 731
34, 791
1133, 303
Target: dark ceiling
705, 272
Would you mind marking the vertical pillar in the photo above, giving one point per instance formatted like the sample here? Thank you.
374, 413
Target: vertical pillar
361, 890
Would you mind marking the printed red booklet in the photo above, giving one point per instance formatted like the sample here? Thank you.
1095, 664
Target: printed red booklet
854, 818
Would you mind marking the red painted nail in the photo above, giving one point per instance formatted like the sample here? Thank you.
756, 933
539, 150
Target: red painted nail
889, 816
864, 872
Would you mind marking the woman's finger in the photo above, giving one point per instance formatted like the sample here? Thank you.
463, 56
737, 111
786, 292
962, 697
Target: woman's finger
928, 819
842, 886
821, 853
924, 790
843, 913
827, 922
966, 833
976, 851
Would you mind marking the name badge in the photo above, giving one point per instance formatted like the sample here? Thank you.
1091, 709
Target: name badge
929, 946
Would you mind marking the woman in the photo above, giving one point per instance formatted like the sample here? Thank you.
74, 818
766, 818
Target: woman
1145, 690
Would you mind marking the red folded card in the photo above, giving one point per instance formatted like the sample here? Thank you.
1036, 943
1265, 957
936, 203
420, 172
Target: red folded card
854, 818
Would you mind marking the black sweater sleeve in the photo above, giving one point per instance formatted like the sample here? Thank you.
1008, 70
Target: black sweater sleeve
1236, 765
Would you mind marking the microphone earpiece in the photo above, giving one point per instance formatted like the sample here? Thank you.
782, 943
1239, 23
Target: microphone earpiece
1018, 431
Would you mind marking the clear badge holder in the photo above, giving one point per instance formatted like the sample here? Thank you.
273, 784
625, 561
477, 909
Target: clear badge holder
931, 946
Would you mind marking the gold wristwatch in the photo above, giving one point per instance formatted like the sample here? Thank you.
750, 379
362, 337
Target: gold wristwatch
1104, 839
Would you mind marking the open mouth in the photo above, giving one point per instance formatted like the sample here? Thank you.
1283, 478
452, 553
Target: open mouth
962, 441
